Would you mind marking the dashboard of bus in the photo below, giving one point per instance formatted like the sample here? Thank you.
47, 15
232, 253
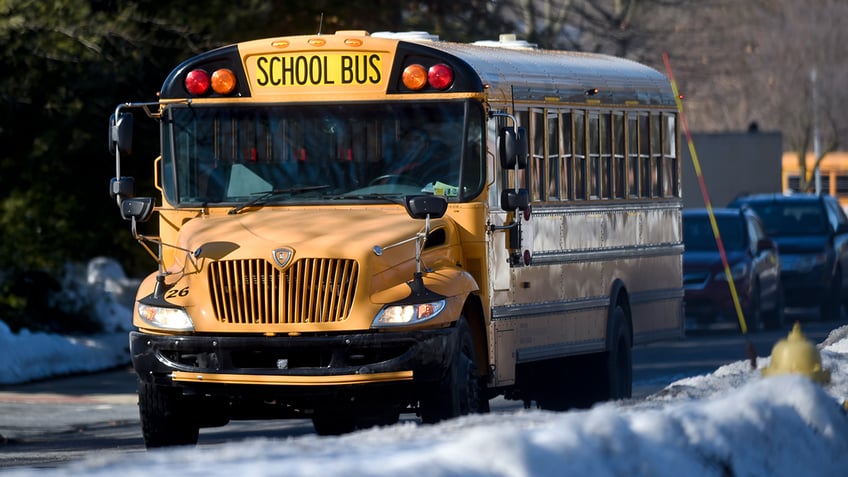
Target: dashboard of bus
228, 154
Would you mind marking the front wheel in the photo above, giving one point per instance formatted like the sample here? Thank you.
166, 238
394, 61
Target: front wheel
459, 392
167, 418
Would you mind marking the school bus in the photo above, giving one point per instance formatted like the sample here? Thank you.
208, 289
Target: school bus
833, 171
354, 226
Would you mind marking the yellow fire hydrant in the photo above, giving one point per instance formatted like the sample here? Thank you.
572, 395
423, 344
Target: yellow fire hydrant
795, 354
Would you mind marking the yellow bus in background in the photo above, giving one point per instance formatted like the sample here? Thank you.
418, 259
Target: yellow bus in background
354, 226
833, 171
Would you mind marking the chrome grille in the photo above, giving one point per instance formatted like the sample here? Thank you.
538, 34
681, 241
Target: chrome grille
312, 290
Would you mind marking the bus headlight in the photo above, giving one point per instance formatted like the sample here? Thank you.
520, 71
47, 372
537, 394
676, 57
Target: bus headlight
396, 315
175, 319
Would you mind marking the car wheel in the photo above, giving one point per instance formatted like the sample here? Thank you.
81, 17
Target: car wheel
774, 318
753, 314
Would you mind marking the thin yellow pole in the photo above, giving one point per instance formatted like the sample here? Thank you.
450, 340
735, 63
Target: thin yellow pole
706, 196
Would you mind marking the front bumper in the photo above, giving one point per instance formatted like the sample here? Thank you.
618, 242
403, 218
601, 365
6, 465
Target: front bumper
293, 361
715, 300
809, 288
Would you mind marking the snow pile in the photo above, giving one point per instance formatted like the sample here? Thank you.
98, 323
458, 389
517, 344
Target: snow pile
101, 286
780, 426
732, 422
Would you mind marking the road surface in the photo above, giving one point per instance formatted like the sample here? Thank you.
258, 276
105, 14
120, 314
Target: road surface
49, 423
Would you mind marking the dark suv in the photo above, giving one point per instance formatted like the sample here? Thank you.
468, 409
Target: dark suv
753, 262
812, 236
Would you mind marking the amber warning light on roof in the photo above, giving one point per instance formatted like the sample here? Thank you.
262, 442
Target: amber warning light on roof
331, 70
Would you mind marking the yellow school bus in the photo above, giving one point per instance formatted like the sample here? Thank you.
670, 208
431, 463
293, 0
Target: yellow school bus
833, 171
355, 226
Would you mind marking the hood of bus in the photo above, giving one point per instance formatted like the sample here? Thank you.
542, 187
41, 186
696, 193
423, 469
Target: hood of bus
308, 231
244, 258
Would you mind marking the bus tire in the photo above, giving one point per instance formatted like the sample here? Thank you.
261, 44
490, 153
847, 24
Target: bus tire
166, 417
459, 391
619, 357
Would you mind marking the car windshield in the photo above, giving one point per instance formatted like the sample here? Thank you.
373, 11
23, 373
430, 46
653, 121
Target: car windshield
782, 219
698, 233
328, 153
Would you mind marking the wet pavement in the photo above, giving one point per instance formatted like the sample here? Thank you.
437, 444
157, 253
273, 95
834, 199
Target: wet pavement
67, 403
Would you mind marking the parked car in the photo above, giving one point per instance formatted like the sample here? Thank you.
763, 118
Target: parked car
753, 262
812, 234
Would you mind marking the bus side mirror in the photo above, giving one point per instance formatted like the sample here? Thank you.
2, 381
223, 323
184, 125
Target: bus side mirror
420, 206
512, 147
122, 186
512, 199
121, 133
139, 208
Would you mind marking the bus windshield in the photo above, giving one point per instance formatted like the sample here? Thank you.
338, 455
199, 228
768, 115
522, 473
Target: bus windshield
327, 152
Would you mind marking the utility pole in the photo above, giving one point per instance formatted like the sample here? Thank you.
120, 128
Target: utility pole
816, 147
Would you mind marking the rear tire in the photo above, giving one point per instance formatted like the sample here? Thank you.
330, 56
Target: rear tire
619, 362
167, 418
583, 380
459, 392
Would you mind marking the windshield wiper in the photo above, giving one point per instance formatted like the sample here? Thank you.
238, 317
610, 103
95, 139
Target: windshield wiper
268, 194
392, 198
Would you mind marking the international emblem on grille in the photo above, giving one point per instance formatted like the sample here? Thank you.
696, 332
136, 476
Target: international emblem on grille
282, 256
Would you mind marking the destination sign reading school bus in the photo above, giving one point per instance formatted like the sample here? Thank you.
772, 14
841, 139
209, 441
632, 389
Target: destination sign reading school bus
303, 72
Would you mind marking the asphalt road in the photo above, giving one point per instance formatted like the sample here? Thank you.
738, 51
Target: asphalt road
48, 423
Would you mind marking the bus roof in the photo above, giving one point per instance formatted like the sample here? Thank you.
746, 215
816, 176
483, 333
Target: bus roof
567, 76
506, 74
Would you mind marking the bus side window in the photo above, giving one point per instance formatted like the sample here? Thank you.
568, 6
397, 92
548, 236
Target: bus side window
537, 158
553, 154
594, 149
619, 157
657, 178
606, 156
633, 155
566, 166
580, 155
521, 180
644, 156
670, 161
